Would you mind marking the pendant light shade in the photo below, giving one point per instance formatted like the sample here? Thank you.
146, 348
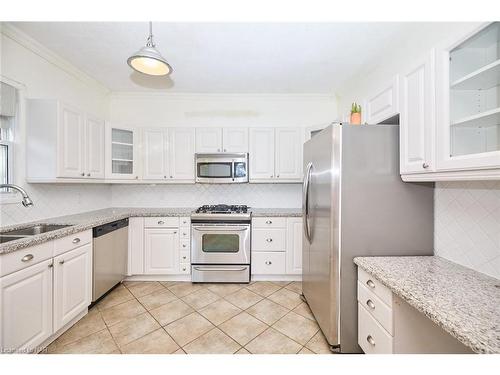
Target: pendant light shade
148, 59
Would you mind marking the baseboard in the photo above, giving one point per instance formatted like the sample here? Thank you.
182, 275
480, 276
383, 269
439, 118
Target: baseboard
188, 278
52, 338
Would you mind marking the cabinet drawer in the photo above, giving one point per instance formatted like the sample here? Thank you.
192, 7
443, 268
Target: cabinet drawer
269, 240
372, 337
20, 259
185, 245
185, 268
185, 221
268, 263
185, 257
378, 309
161, 222
61, 245
375, 286
269, 222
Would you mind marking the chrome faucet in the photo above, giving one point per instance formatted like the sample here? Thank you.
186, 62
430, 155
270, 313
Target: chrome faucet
26, 198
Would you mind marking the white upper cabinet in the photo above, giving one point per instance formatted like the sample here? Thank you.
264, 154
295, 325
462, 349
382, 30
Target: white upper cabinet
417, 117
261, 154
71, 142
468, 101
155, 149
122, 152
276, 154
168, 154
288, 163
62, 142
383, 104
215, 140
235, 140
208, 140
181, 154
95, 156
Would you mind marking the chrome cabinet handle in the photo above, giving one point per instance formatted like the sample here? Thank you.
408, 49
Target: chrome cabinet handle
370, 340
225, 150
272, 176
183, 245
425, 165
218, 150
82, 174
175, 232
136, 177
88, 174
27, 258
61, 262
51, 265
268, 262
171, 176
164, 176
269, 240
184, 257
269, 222
161, 222
184, 234
220, 269
371, 284
370, 304
76, 240
278, 176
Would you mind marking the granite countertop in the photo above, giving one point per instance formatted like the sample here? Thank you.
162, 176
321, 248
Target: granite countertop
91, 219
464, 302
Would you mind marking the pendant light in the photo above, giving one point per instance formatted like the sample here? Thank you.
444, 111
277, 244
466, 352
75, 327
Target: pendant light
148, 59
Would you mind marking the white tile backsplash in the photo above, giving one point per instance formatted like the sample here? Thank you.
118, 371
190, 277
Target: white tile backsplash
55, 200
467, 224
254, 195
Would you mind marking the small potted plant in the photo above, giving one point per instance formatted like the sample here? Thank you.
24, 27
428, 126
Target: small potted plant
355, 114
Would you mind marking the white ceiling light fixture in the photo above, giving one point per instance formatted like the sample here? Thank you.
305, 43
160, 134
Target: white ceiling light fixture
148, 59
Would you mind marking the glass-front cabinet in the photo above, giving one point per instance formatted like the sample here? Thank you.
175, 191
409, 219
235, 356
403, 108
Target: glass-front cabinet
122, 152
468, 102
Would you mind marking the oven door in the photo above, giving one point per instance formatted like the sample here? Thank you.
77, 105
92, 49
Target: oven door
220, 243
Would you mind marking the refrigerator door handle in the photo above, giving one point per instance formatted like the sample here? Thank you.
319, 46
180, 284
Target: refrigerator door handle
305, 202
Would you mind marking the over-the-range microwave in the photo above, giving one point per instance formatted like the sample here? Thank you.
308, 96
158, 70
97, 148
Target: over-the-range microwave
223, 168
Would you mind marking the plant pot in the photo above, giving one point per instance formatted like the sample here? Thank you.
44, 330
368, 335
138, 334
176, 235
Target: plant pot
355, 119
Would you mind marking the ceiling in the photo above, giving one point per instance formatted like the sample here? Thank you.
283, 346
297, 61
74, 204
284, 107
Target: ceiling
223, 57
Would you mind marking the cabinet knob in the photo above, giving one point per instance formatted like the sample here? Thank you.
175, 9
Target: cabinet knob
88, 174
76, 240
175, 232
278, 176
164, 176
272, 176
218, 150
268, 262
370, 340
371, 284
225, 150
425, 165
269, 222
183, 245
82, 174
61, 262
370, 304
171, 176
27, 258
51, 265
184, 257
136, 177
161, 222
269, 240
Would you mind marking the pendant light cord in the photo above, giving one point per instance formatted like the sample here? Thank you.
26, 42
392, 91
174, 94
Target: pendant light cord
150, 42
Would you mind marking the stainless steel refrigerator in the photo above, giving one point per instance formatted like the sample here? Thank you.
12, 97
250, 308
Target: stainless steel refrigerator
355, 204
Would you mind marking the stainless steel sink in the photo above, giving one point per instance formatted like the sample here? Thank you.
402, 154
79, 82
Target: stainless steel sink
31, 231
4, 239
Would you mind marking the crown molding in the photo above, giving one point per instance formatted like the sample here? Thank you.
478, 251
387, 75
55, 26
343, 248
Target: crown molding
37, 48
219, 96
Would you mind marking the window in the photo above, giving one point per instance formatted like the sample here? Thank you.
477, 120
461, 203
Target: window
8, 110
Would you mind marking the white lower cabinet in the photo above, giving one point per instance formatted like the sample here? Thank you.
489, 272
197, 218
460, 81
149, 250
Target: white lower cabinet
42, 289
277, 246
161, 251
26, 308
387, 324
72, 284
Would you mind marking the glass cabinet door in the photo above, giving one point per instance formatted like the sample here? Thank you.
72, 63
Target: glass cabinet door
474, 99
122, 159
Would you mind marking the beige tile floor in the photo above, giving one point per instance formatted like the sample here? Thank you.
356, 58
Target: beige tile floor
181, 317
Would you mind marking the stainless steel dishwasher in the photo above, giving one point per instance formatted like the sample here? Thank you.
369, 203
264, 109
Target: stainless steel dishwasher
110, 256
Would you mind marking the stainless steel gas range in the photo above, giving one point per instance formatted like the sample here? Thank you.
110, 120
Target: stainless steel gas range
220, 244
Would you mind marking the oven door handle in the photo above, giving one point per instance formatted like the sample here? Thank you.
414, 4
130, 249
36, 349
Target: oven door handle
220, 269
209, 229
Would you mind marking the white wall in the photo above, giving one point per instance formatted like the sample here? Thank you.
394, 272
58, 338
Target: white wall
467, 214
40, 74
